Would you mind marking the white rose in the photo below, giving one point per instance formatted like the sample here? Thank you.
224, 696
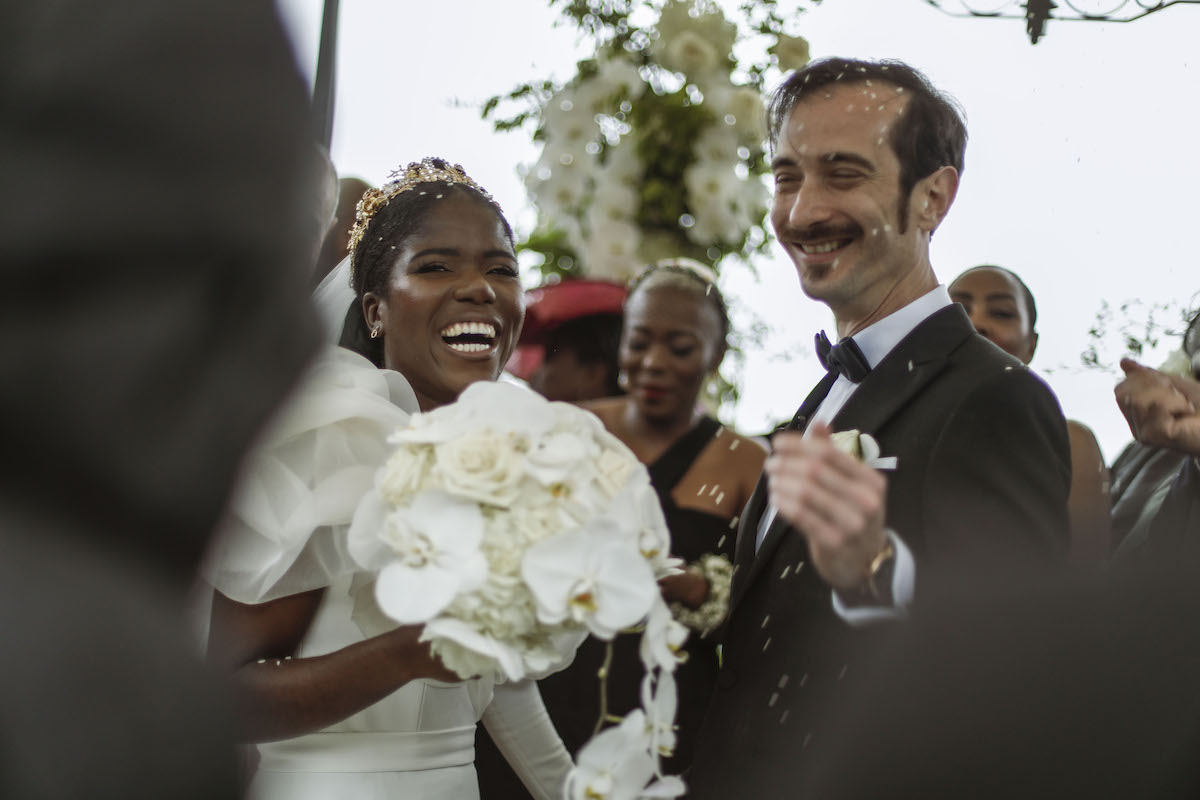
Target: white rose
690, 54
745, 105
863, 447
612, 200
791, 52
622, 165
613, 470
405, 473
482, 466
679, 16
847, 442
568, 120
713, 191
611, 251
716, 144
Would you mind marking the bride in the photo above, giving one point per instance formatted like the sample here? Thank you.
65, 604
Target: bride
341, 701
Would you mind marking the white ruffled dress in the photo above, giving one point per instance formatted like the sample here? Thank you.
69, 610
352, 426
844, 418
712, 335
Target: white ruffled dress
286, 534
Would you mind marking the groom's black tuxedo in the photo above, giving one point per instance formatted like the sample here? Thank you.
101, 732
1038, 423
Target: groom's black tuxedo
980, 485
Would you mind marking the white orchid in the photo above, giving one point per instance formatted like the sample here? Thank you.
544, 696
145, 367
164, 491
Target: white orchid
612, 200
501, 407
554, 458
662, 642
614, 765
436, 543
659, 700
639, 515
617, 765
588, 576
745, 106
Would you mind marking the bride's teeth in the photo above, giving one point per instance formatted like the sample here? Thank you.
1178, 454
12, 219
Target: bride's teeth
470, 347
461, 328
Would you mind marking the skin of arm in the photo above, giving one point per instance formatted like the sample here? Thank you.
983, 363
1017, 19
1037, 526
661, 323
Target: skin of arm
745, 464
284, 697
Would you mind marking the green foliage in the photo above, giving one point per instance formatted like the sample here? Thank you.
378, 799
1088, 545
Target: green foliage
1134, 328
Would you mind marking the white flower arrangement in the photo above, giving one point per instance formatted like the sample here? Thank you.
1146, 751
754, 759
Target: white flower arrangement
663, 137
863, 447
511, 528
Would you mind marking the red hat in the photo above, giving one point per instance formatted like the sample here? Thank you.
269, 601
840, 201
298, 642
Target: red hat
549, 306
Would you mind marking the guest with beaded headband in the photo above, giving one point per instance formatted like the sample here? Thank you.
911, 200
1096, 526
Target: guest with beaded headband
348, 704
673, 338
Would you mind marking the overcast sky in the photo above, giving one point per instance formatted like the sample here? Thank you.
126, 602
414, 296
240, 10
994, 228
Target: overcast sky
1082, 168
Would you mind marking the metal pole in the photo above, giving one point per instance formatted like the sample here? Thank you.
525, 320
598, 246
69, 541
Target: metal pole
324, 85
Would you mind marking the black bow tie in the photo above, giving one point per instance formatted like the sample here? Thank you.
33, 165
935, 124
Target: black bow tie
844, 357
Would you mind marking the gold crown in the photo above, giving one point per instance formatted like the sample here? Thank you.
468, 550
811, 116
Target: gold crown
427, 170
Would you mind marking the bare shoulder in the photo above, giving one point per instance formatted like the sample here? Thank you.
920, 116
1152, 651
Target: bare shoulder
608, 409
738, 456
1083, 443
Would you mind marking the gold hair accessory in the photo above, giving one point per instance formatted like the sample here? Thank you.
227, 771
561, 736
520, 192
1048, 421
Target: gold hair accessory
427, 170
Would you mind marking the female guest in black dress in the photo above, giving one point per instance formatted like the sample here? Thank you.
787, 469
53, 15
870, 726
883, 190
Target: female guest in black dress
674, 338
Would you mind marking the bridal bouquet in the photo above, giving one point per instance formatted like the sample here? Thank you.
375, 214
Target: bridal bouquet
511, 527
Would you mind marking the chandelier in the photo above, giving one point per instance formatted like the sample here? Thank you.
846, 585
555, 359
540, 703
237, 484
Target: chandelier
1037, 13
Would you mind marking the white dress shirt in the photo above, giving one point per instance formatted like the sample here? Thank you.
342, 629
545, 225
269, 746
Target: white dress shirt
875, 341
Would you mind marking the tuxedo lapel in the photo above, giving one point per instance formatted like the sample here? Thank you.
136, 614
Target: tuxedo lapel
905, 371
892, 384
744, 558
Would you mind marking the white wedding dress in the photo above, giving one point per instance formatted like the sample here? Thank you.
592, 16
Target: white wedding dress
286, 534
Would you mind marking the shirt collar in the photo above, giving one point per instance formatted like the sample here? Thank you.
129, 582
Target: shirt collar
879, 338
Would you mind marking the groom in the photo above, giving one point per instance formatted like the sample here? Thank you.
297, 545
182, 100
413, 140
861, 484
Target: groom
867, 158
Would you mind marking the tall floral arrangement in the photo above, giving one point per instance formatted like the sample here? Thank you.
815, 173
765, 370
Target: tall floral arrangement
655, 148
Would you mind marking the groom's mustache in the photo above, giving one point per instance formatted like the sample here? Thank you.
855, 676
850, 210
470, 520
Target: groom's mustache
819, 231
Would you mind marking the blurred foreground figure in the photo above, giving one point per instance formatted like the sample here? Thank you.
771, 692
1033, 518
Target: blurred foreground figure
153, 313
1029, 689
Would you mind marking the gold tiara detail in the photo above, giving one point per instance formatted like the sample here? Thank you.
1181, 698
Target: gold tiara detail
427, 170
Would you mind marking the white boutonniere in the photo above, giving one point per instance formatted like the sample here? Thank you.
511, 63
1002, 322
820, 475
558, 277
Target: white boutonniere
863, 447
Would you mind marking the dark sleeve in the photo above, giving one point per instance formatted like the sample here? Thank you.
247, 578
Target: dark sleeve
998, 480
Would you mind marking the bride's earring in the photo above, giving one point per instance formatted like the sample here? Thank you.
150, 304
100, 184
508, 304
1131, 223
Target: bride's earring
375, 332
623, 380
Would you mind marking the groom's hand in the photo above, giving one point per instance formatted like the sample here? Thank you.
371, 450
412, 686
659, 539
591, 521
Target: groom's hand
834, 500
